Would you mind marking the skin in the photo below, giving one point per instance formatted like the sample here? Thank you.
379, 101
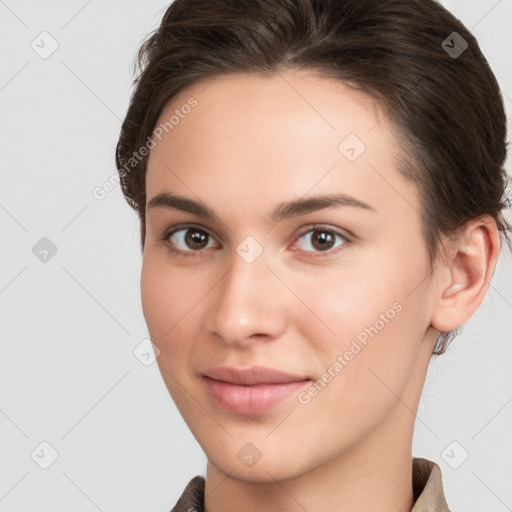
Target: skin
251, 144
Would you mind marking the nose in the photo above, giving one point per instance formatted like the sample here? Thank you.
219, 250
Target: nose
249, 303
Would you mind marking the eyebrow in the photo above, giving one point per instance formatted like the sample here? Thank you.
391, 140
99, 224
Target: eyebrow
287, 210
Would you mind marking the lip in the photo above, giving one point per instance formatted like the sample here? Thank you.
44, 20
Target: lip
251, 376
252, 390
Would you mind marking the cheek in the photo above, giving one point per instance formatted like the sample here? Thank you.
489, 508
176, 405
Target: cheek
152, 295
172, 298
348, 300
164, 298
375, 313
165, 304
375, 284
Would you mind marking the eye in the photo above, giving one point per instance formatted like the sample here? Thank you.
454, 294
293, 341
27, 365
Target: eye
190, 240
321, 239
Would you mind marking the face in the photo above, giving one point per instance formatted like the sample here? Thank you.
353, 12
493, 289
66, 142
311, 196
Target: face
333, 291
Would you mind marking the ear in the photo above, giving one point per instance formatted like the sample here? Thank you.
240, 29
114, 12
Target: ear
466, 274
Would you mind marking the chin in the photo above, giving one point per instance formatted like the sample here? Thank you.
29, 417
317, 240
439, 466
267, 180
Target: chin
267, 469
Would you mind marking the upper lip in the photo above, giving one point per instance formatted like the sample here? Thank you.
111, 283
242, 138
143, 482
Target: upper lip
251, 376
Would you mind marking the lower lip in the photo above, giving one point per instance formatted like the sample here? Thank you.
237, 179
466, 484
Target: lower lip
250, 399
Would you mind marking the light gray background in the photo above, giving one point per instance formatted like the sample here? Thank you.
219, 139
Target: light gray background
68, 374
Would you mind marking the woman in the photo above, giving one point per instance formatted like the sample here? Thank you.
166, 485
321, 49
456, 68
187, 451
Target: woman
320, 186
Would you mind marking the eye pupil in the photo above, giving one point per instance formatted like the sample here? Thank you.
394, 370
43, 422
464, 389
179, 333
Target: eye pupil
195, 237
324, 239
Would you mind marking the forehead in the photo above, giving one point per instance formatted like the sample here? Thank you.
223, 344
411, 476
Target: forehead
285, 133
305, 98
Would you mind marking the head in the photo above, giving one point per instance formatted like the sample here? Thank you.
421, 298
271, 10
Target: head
244, 106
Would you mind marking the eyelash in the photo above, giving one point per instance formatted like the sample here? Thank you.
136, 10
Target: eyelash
195, 254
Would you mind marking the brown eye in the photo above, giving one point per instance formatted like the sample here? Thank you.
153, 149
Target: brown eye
196, 239
188, 240
319, 239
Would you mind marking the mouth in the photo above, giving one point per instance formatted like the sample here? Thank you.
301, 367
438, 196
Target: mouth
250, 391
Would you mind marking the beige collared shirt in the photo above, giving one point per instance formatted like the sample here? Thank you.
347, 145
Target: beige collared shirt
426, 482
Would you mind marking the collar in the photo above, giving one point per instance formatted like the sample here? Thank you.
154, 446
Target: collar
426, 481
427, 486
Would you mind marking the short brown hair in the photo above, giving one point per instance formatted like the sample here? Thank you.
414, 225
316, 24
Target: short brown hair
448, 107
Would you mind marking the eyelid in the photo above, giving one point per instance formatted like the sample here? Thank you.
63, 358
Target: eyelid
347, 235
324, 227
344, 233
180, 227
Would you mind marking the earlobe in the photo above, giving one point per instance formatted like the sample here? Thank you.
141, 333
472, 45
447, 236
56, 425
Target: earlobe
468, 273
